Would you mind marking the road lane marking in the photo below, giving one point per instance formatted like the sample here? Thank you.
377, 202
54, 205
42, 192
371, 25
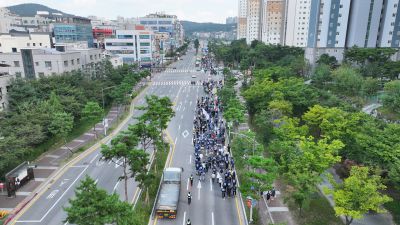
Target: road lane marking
176, 139
184, 108
94, 158
179, 127
190, 159
58, 200
199, 187
187, 184
211, 184
115, 187
238, 212
184, 218
212, 218
185, 133
79, 166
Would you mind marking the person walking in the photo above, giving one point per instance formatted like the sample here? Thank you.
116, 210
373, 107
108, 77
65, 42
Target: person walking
191, 180
268, 196
223, 192
188, 222
273, 193
234, 191
189, 196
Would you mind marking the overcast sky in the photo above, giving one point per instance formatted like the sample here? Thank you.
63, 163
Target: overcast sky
194, 10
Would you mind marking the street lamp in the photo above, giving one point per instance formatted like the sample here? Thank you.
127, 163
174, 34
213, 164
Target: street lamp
104, 112
249, 138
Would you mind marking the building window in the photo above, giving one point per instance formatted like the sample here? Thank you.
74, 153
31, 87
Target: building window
40, 44
91, 57
144, 36
37, 63
47, 64
65, 63
28, 44
34, 44
78, 61
72, 62
18, 74
145, 44
14, 49
41, 75
16, 64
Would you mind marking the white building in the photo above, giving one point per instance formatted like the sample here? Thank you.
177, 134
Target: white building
242, 20
298, 15
254, 20
13, 42
133, 46
273, 22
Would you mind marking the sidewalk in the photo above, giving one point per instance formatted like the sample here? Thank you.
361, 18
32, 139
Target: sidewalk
51, 161
369, 219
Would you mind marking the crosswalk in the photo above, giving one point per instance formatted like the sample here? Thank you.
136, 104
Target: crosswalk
179, 71
176, 83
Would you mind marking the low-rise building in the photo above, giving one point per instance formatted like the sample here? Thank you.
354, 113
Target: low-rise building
133, 46
14, 41
31, 63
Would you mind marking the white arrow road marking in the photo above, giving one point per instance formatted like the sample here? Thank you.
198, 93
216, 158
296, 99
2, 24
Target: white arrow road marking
64, 181
199, 187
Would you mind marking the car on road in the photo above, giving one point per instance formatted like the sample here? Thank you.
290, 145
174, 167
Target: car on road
194, 76
174, 68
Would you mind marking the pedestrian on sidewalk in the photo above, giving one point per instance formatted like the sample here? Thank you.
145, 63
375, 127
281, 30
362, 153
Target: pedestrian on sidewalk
268, 196
273, 193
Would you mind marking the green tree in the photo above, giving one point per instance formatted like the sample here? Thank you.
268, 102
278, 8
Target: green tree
131, 160
61, 125
306, 164
370, 86
196, 45
92, 112
328, 60
262, 173
347, 81
145, 179
358, 194
322, 75
391, 99
93, 206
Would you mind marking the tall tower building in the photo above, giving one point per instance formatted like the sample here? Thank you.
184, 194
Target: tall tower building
254, 20
273, 22
242, 20
390, 26
297, 22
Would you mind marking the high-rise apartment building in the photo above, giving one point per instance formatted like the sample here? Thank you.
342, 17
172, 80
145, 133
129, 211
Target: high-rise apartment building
339, 24
254, 20
242, 20
273, 22
390, 28
297, 22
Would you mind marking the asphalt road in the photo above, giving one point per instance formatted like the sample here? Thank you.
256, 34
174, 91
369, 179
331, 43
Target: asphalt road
207, 206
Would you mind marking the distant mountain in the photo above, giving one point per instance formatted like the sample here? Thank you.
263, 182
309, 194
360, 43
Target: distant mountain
191, 27
30, 9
